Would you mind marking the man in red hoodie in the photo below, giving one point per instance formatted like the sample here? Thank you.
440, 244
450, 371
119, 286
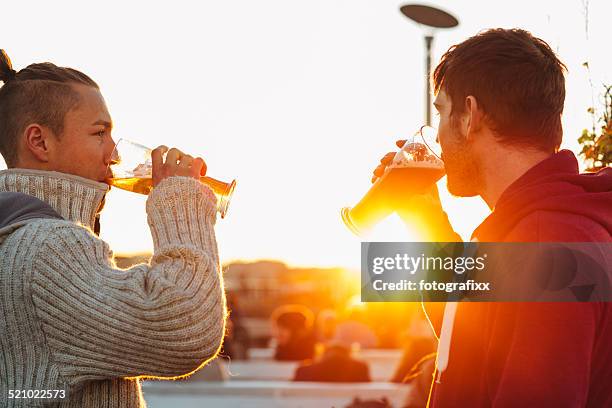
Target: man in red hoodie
500, 97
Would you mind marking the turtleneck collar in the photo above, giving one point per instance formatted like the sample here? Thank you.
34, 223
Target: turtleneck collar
75, 198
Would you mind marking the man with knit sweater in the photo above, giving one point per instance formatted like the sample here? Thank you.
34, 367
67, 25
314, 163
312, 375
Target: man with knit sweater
76, 331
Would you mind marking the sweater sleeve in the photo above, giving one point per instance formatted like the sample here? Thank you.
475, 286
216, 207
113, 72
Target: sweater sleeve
164, 319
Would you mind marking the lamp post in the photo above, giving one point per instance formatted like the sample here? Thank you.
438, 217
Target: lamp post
432, 18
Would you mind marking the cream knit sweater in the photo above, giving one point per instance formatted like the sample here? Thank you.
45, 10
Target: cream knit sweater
71, 320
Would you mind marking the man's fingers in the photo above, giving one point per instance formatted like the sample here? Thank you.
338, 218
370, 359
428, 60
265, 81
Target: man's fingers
185, 161
380, 170
157, 159
176, 163
157, 155
173, 156
388, 158
197, 167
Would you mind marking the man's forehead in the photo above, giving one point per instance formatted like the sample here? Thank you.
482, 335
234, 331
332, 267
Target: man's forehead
88, 93
102, 122
92, 106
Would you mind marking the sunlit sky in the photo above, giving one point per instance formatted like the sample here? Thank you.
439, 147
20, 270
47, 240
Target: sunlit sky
296, 100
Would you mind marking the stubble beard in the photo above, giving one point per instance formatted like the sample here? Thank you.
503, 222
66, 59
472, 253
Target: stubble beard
464, 177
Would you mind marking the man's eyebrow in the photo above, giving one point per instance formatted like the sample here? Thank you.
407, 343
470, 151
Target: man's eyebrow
103, 123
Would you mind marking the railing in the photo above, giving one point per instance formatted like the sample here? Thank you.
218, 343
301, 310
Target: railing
263, 382
267, 394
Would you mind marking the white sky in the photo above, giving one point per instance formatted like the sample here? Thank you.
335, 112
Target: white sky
296, 100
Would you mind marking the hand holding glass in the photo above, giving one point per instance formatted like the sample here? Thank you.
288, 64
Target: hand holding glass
414, 168
132, 169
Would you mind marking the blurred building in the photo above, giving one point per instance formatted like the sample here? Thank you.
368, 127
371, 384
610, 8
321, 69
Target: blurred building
260, 287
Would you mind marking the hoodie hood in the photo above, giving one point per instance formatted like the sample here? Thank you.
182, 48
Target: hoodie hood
17, 208
73, 198
551, 185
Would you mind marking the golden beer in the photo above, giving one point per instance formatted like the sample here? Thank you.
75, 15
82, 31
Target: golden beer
132, 167
144, 185
414, 178
412, 171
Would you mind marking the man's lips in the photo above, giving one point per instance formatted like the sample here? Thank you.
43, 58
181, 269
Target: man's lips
109, 175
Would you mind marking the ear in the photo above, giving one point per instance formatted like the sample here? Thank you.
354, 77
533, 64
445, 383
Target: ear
473, 116
37, 140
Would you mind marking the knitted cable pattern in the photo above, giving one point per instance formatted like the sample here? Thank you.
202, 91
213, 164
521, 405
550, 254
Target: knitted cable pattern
71, 320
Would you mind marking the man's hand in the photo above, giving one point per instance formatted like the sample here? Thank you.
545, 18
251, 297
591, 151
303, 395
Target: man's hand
177, 164
385, 161
405, 200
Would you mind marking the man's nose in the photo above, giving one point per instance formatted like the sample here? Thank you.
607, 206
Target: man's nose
113, 157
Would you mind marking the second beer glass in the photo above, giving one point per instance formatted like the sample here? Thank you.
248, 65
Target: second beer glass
416, 167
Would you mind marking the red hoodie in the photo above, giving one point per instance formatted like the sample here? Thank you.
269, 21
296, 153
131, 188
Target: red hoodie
537, 354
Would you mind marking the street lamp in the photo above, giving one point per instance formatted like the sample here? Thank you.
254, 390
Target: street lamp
431, 18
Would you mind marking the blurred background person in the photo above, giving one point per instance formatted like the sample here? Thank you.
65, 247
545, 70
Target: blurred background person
355, 329
292, 330
419, 341
327, 322
335, 364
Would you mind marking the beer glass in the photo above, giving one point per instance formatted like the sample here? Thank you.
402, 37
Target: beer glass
416, 167
132, 170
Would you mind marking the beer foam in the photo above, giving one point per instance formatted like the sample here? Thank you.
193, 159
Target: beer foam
416, 155
418, 164
143, 170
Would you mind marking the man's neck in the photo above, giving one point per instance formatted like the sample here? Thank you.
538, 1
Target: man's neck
502, 166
